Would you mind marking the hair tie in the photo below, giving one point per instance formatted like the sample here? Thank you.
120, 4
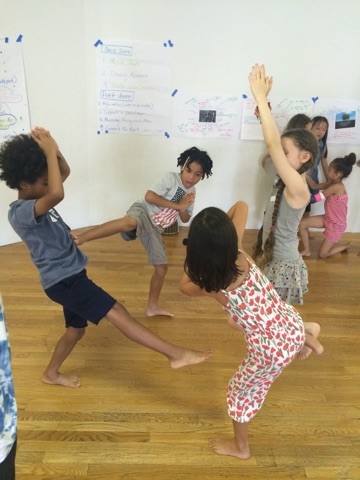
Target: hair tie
185, 163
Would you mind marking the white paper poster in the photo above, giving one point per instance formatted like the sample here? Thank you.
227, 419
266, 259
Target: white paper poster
283, 108
206, 116
344, 120
133, 87
343, 117
14, 111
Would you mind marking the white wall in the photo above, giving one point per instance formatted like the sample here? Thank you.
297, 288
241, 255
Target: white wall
307, 46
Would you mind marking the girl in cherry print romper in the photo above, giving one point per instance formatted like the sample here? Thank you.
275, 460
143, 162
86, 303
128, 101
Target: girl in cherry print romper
274, 333
216, 266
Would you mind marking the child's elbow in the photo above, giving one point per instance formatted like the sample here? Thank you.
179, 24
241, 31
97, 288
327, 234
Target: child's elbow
149, 196
58, 195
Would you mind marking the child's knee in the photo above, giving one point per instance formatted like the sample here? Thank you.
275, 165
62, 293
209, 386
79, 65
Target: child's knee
130, 223
323, 251
161, 270
75, 334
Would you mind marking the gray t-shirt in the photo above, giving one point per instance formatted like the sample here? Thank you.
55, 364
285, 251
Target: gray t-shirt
171, 188
47, 237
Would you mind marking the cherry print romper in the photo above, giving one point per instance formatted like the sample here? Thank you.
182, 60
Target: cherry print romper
274, 333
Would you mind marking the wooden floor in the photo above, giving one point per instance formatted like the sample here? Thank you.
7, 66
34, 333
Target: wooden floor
135, 418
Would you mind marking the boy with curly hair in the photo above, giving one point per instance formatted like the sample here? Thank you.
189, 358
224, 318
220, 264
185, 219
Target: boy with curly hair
34, 165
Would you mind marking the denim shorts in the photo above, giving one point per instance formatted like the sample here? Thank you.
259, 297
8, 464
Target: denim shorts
82, 300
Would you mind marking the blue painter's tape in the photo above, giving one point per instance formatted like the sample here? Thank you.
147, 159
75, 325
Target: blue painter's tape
99, 42
170, 43
315, 99
244, 95
165, 44
19, 38
6, 39
167, 135
98, 132
174, 92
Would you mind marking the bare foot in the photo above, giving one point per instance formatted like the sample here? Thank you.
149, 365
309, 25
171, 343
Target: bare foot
346, 246
154, 311
190, 357
65, 380
312, 343
223, 446
304, 353
305, 253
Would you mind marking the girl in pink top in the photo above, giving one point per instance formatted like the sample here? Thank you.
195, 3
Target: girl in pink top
336, 203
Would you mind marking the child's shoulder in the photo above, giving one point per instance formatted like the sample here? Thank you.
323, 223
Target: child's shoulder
169, 178
338, 190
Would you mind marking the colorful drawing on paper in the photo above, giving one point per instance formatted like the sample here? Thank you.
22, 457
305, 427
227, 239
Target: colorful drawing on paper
206, 116
342, 116
283, 108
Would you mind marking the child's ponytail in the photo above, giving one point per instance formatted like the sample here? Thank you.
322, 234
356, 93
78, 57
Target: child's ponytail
261, 255
344, 165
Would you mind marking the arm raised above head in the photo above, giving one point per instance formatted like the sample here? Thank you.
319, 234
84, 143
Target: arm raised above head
63, 166
55, 191
260, 86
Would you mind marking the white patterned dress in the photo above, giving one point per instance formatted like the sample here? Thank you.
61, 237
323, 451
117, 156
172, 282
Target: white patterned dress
8, 409
274, 333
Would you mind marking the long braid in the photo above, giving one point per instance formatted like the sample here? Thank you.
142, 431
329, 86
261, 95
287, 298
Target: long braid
262, 256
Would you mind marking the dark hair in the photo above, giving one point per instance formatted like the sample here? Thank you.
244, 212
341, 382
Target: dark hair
316, 121
306, 141
344, 165
21, 160
300, 120
193, 154
212, 250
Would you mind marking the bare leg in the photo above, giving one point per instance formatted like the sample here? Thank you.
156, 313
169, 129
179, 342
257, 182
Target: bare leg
237, 446
307, 215
304, 235
328, 249
316, 221
311, 343
124, 224
234, 325
178, 356
156, 283
62, 350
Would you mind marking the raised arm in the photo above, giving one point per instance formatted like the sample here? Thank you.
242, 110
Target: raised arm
63, 166
324, 164
260, 86
317, 186
54, 192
